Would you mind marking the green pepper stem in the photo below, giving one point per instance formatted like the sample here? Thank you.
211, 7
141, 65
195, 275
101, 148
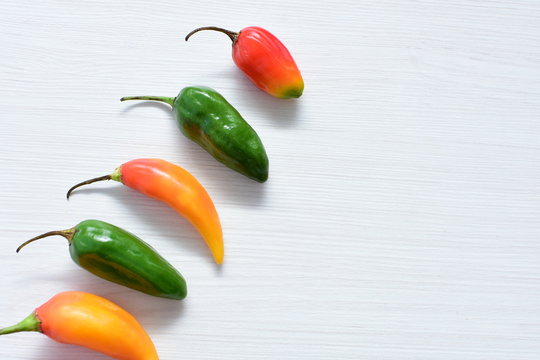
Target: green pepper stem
68, 234
30, 323
168, 100
231, 34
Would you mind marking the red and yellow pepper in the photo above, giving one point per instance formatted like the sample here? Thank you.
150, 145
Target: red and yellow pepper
265, 60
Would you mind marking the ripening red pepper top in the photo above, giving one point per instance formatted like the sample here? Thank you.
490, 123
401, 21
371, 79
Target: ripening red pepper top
265, 60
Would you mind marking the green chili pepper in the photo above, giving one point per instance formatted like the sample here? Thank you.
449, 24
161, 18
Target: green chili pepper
121, 257
205, 117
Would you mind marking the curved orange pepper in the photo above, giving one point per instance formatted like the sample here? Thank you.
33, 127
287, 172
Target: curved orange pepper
92, 322
176, 187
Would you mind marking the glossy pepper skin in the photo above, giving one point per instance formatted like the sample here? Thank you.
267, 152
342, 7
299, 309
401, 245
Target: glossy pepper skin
119, 256
92, 322
176, 187
205, 117
265, 60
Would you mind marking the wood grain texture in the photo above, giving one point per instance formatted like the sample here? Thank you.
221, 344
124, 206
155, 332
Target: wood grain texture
401, 217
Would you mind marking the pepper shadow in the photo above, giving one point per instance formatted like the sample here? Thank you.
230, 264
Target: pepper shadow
131, 104
52, 350
234, 186
284, 113
163, 220
153, 313
150, 311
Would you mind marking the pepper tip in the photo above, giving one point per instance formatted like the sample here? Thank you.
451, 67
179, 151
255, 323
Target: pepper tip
293, 93
218, 258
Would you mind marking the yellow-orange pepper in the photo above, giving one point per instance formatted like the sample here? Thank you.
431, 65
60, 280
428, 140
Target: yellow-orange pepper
176, 187
90, 321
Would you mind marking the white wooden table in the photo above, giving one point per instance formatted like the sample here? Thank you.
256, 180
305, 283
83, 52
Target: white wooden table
401, 217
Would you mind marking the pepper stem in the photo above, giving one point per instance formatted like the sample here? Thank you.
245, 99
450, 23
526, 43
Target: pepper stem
30, 323
68, 234
116, 176
168, 100
233, 35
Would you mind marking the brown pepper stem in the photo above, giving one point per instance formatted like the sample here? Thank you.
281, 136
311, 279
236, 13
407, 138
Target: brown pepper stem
68, 234
101, 178
233, 35
168, 100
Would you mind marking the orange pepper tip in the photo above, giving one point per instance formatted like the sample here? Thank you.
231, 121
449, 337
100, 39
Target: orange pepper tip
217, 255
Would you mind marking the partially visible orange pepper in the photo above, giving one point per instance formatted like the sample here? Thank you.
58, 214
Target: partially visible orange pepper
90, 321
176, 187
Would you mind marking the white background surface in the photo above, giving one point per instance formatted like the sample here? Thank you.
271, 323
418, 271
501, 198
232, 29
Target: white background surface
401, 217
